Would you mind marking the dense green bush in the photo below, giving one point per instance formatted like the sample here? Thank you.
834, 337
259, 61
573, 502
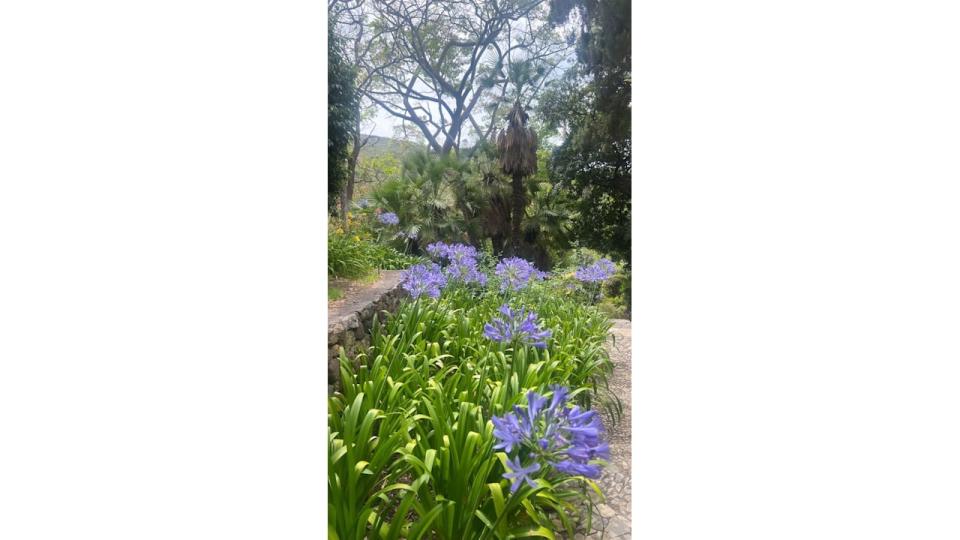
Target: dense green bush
410, 433
356, 252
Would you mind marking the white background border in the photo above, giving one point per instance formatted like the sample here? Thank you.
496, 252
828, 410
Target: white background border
162, 220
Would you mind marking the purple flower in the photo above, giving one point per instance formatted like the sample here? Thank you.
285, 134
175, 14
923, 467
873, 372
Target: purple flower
560, 394
388, 218
535, 403
517, 326
460, 253
466, 271
422, 279
453, 253
437, 249
520, 474
597, 272
578, 469
515, 273
461, 262
509, 432
567, 439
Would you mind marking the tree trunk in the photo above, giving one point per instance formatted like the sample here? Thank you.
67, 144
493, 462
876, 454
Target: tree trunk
347, 196
497, 240
517, 204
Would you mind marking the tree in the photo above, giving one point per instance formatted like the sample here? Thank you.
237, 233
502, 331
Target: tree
452, 64
590, 107
341, 113
424, 197
517, 149
354, 31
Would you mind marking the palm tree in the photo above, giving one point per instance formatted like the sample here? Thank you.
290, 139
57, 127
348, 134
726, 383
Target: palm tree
517, 149
425, 197
549, 223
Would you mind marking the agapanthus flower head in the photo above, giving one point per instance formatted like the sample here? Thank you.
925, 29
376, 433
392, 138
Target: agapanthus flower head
548, 433
597, 272
437, 249
453, 253
519, 474
461, 261
388, 218
458, 253
519, 326
422, 279
515, 273
466, 271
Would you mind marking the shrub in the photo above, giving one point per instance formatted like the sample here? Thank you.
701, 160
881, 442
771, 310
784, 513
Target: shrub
355, 253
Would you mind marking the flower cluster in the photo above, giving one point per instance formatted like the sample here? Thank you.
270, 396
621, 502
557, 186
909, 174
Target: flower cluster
452, 252
569, 440
466, 272
516, 273
519, 326
599, 271
421, 279
388, 218
462, 262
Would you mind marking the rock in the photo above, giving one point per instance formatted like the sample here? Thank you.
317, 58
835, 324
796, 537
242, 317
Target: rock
606, 511
618, 528
352, 321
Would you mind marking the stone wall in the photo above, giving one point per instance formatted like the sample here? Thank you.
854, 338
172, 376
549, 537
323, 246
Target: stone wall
350, 319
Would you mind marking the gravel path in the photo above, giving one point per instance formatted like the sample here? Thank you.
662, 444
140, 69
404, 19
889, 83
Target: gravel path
611, 520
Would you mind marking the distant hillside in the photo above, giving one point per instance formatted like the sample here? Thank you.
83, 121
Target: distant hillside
378, 146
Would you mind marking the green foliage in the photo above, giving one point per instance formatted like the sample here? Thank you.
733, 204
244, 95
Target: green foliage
599, 180
612, 297
375, 169
410, 430
446, 197
342, 111
355, 254
591, 108
424, 197
549, 225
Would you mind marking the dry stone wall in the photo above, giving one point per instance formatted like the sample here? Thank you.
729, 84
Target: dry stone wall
350, 320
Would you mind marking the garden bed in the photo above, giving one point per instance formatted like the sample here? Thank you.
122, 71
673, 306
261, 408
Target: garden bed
424, 433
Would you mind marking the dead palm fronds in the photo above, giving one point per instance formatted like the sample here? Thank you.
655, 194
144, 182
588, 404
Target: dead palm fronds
517, 157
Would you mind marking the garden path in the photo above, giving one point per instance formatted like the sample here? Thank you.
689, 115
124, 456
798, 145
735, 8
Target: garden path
359, 293
612, 520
